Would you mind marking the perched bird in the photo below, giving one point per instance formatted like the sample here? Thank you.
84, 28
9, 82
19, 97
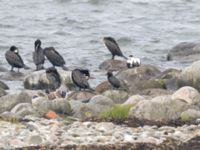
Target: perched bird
86, 72
54, 57
38, 55
133, 62
113, 47
113, 80
54, 79
80, 79
14, 59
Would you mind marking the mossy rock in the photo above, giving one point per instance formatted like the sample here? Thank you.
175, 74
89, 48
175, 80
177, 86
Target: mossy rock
190, 115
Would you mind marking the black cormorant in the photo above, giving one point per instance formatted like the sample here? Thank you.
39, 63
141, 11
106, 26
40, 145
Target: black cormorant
80, 79
14, 59
54, 57
113, 80
113, 47
54, 79
38, 55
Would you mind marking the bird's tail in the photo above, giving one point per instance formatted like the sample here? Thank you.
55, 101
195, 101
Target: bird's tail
65, 68
26, 67
169, 57
124, 57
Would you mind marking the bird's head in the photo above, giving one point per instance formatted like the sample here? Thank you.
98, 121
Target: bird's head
51, 70
14, 49
86, 72
37, 43
109, 74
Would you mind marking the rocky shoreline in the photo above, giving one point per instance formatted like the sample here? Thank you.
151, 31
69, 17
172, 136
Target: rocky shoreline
59, 134
154, 110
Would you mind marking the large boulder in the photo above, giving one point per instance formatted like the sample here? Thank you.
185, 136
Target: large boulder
89, 110
38, 80
3, 85
2, 92
167, 107
141, 85
140, 78
118, 96
113, 65
161, 108
95, 107
133, 100
144, 72
188, 95
185, 51
102, 87
9, 101
61, 106
169, 74
190, 76
190, 114
170, 78
24, 109
101, 100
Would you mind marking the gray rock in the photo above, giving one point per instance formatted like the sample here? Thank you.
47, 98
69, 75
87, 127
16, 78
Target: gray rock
169, 74
144, 72
133, 100
113, 65
190, 76
185, 51
2, 92
161, 108
75, 105
3, 85
9, 101
61, 106
81, 95
190, 114
141, 85
101, 100
140, 78
102, 87
24, 109
154, 92
170, 78
97, 105
34, 140
8, 116
89, 110
38, 80
187, 94
118, 96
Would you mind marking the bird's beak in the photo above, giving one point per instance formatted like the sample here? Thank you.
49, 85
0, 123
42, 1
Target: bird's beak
17, 51
37, 46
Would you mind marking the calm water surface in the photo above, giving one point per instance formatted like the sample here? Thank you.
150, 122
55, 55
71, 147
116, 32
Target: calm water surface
145, 28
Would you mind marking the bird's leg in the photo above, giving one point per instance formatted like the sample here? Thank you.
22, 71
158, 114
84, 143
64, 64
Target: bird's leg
12, 69
18, 70
113, 56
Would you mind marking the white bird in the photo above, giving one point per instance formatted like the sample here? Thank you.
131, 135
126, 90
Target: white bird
133, 62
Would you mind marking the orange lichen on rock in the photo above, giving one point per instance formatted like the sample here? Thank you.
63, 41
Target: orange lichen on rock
51, 115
